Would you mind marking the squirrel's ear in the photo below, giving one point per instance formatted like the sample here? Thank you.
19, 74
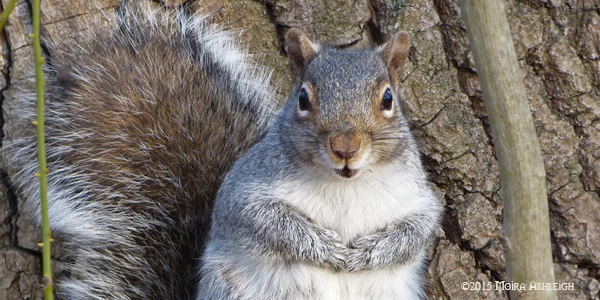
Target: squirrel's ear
394, 53
300, 50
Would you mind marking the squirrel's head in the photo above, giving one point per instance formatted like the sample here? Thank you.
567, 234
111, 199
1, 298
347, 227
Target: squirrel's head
344, 107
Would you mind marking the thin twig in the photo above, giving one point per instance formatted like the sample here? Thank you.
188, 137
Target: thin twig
39, 84
526, 235
6, 12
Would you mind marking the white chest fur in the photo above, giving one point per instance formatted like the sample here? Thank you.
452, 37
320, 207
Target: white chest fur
265, 278
358, 207
352, 208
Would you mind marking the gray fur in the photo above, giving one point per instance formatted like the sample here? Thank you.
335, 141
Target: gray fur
286, 226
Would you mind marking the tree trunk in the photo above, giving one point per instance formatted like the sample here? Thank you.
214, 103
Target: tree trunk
557, 45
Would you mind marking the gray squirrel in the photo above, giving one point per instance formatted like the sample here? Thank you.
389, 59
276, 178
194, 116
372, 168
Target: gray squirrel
327, 198
333, 203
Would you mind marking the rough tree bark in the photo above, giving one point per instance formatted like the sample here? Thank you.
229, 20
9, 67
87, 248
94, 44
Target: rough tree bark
557, 45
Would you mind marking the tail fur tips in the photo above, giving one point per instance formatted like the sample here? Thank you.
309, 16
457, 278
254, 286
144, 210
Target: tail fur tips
138, 141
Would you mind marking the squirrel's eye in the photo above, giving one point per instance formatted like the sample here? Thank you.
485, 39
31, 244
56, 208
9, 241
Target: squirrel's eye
388, 100
303, 101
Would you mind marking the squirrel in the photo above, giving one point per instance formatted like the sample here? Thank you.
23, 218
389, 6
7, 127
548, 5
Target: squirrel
174, 176
333, 203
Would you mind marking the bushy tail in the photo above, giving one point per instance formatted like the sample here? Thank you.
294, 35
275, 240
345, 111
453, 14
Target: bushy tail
140, 132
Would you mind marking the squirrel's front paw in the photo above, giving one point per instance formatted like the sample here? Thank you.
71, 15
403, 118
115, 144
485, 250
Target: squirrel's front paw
339, 256
375, 251
334, 252
369, 252
362, 254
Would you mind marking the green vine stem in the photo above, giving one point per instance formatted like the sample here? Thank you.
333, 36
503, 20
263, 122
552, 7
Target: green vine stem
6, 12
39, 84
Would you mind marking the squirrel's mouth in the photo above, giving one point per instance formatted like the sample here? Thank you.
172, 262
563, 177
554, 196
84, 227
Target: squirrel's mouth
346, 172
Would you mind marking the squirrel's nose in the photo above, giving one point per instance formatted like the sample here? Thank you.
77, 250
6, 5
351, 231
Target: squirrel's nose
344, 154
345, 146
